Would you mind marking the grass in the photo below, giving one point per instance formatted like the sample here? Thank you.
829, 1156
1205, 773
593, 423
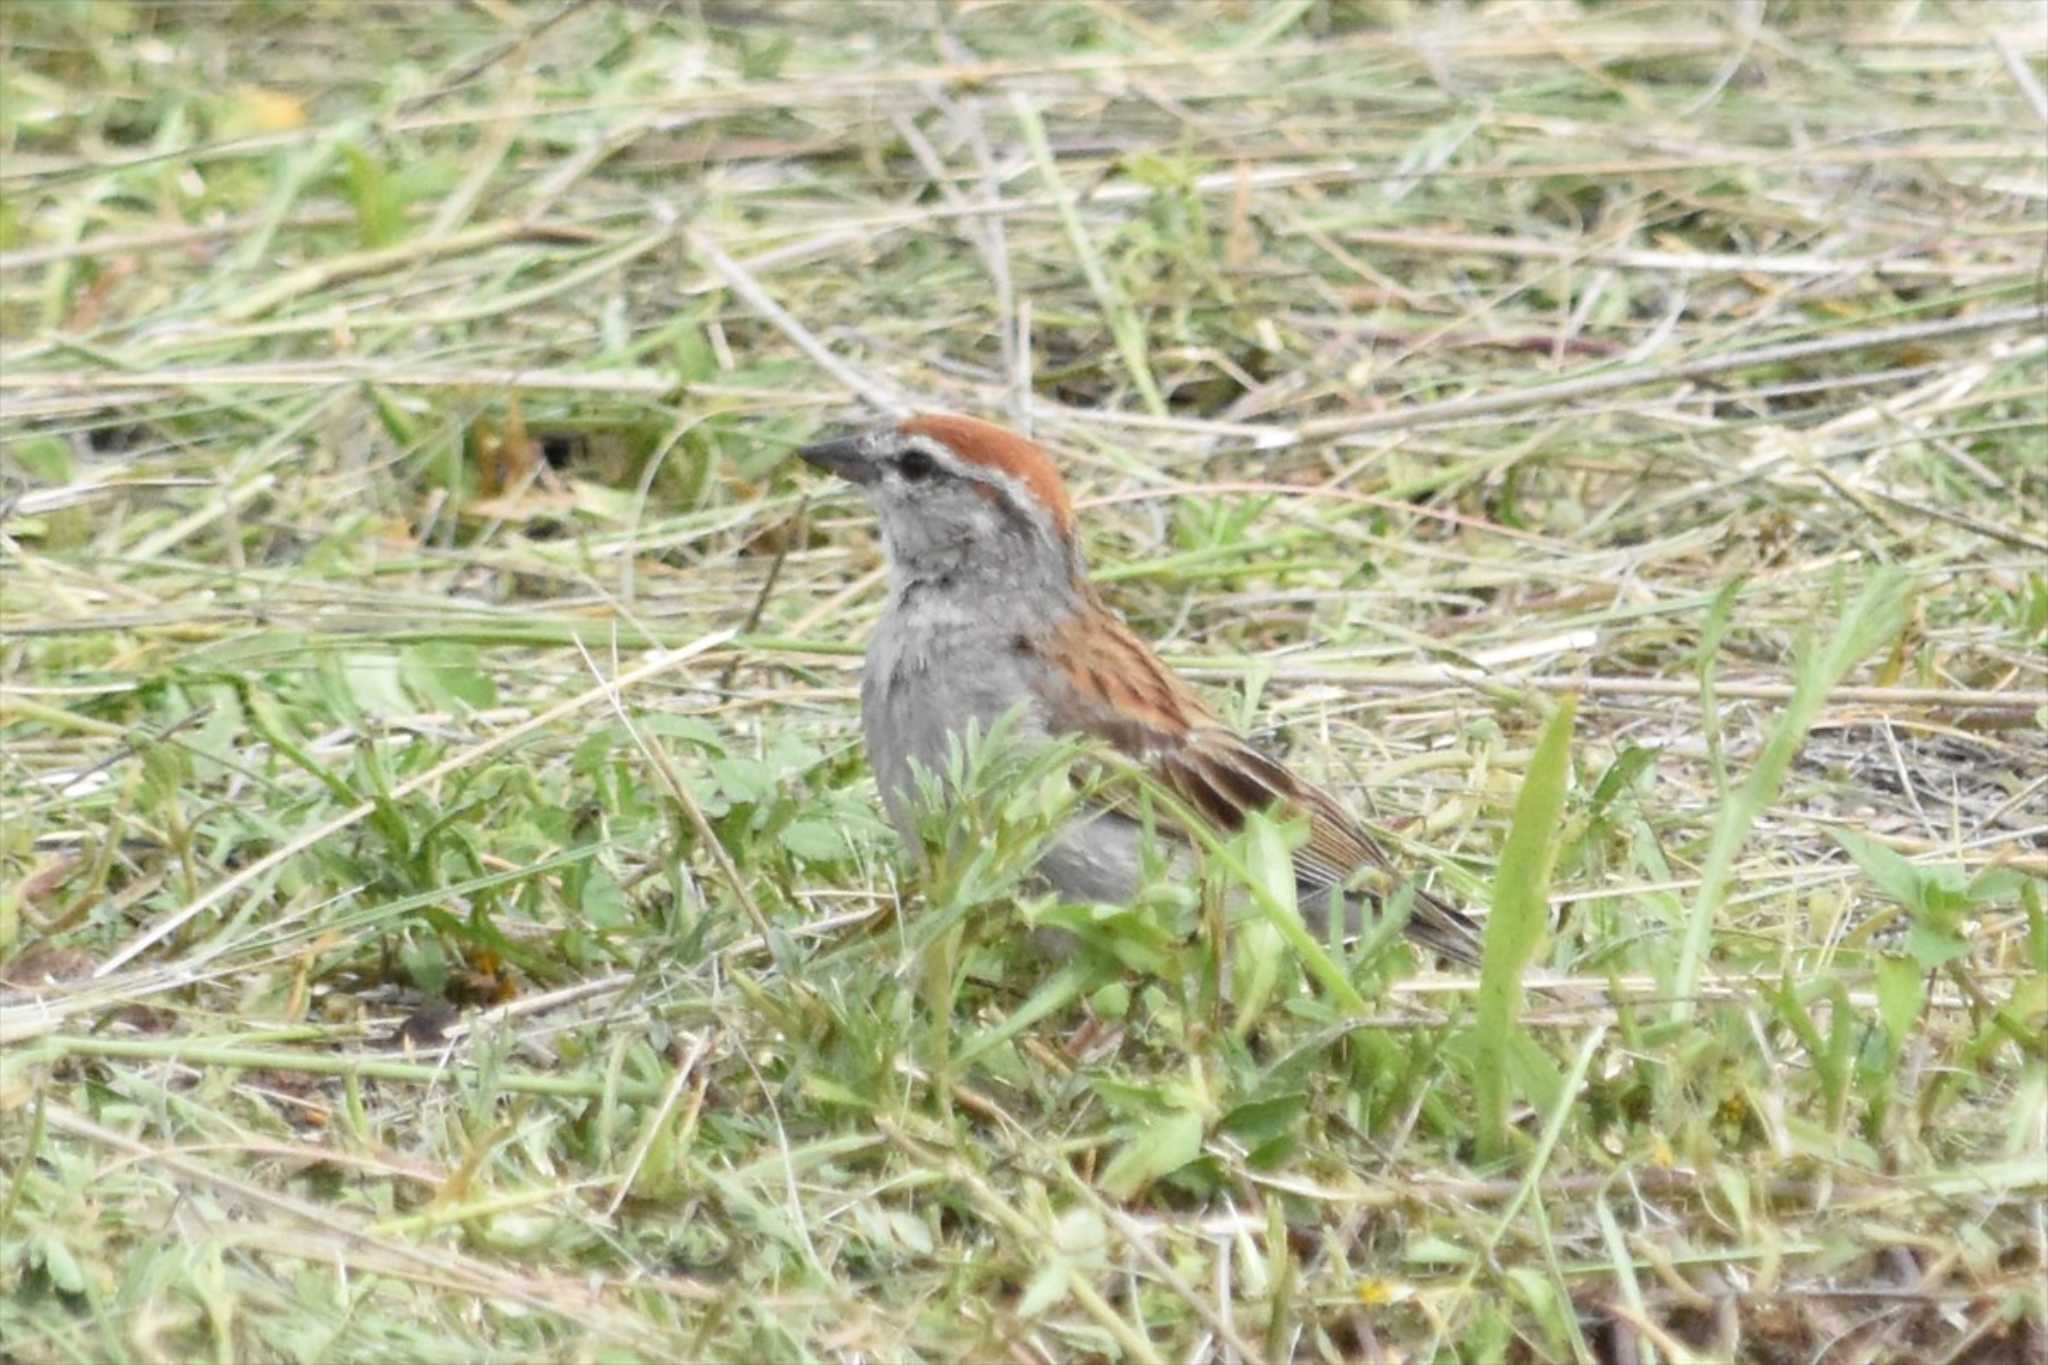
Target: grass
445, 912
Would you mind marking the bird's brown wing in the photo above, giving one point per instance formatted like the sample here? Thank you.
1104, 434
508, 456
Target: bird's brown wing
1110, 686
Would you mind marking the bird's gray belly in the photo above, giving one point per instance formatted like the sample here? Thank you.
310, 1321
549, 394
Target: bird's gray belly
914, 703
1100, 858
914, 700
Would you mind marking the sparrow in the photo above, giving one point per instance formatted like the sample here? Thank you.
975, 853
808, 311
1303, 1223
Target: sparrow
991, 614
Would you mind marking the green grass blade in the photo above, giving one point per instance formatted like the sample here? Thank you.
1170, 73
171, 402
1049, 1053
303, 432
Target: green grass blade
1875, 616
1520, 911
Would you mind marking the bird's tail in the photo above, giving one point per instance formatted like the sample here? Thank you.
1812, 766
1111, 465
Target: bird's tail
1433, 922
1438, 925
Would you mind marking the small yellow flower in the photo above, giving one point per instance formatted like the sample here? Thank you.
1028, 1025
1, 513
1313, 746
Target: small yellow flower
1375, 1292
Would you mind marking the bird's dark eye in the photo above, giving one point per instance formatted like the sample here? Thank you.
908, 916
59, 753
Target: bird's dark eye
916, 466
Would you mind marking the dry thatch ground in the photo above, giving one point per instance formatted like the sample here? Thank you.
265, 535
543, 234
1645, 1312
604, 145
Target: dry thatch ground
444, 914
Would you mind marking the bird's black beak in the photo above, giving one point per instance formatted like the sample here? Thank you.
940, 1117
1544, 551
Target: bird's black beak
843, 457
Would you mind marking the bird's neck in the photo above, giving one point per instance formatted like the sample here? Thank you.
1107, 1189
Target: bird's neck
958, 580
1014, 566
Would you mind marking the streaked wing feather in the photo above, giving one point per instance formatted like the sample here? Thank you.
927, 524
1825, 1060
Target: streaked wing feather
1119, 692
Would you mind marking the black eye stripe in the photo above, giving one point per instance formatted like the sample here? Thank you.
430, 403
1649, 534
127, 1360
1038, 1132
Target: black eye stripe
916, 466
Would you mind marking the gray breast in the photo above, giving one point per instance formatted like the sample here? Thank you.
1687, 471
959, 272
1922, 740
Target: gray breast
930, 670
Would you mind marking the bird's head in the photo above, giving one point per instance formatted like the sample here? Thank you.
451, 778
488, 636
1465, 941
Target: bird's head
961, 499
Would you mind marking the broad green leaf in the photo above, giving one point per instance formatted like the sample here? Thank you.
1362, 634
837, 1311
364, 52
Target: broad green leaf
447, 675
47, 459
1901, 992
1162, 1146
603, 901
1434, 1250
1888, 872
61, 1266
1262, 1120
1047, 1288
1931, 947
1995, 886
814, 840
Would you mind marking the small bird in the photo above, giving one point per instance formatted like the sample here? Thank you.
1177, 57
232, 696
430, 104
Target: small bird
990, 612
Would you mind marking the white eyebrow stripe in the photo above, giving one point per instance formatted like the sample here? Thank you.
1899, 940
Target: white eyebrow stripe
1014, 489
